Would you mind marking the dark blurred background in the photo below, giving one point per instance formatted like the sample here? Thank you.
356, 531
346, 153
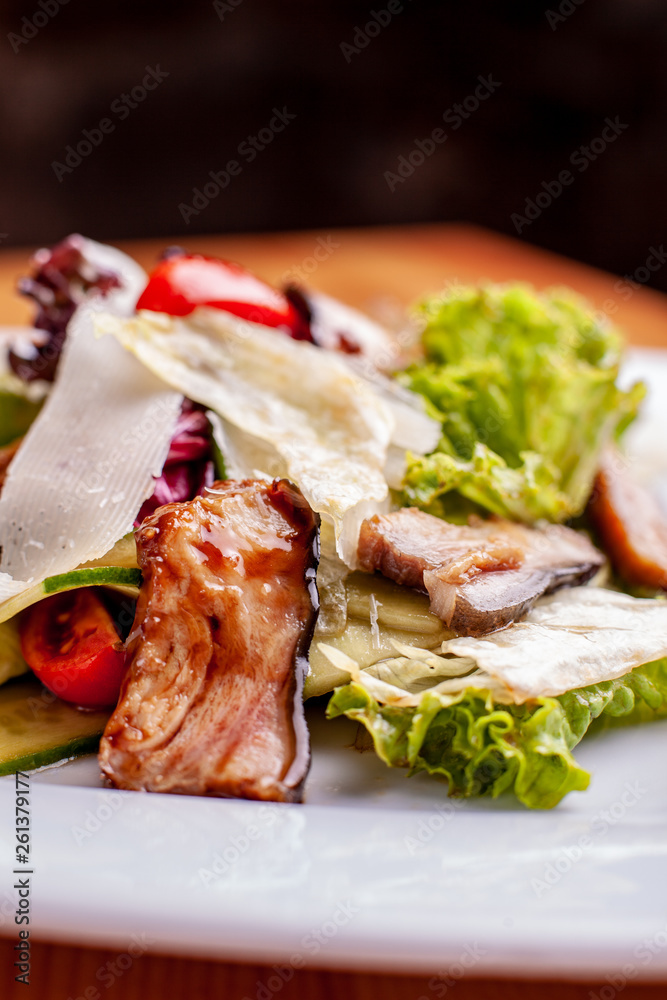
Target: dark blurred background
564, 67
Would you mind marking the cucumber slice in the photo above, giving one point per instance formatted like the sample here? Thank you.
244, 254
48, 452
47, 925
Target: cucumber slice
395, 606
16, 416
120, 578
124, 553
400, 613
117, 569
117, 577
12, 663
36, 728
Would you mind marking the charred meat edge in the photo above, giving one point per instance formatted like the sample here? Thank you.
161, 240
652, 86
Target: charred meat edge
211, 703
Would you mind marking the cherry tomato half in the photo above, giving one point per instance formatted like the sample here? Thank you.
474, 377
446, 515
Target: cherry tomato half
70, 642
182, 282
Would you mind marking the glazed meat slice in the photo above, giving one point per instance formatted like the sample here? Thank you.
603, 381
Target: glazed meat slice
630, 523
212, 699
481, 576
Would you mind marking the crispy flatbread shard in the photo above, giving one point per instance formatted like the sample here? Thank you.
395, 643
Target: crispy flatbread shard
212, 699
481, 576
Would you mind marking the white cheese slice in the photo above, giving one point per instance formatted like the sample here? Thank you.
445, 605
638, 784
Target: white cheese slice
570, 640
291, 407
88, 461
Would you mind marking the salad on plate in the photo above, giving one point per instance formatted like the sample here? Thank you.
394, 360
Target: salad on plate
219, 499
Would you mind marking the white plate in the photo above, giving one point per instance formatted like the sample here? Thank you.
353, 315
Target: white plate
376, 871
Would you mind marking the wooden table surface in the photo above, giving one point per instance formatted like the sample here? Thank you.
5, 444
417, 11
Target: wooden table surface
379, 269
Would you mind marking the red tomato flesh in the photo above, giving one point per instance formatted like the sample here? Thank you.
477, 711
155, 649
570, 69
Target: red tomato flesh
181, 283
70, 642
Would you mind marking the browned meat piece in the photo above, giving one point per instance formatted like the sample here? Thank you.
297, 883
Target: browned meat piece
632, 528
6, 455
482, 576
212, 699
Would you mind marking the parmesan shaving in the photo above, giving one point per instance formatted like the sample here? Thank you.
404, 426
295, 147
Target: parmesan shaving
88, 461
570, 640
287, 407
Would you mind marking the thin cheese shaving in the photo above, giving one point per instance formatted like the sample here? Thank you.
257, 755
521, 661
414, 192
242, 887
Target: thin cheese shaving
87, 463
570, 640
285, 404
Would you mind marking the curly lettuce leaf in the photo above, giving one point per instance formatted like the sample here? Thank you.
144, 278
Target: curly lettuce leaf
524, 384
485, 748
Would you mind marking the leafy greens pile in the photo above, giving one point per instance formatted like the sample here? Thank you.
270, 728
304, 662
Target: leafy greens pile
524, 385
485, 748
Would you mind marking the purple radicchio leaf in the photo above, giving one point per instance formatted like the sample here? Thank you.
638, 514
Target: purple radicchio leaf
62, 278
189, 466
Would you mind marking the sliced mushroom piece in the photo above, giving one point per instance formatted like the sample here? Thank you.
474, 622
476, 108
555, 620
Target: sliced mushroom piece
212, 699
480, 576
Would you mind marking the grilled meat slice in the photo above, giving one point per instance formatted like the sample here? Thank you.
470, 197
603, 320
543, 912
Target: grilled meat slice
481, 576
212, 699
630, 523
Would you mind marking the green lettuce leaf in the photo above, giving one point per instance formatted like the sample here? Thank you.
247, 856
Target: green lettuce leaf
524, 384
485, 748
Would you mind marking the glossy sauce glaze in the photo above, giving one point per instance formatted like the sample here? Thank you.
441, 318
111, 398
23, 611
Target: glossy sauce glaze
212, 699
